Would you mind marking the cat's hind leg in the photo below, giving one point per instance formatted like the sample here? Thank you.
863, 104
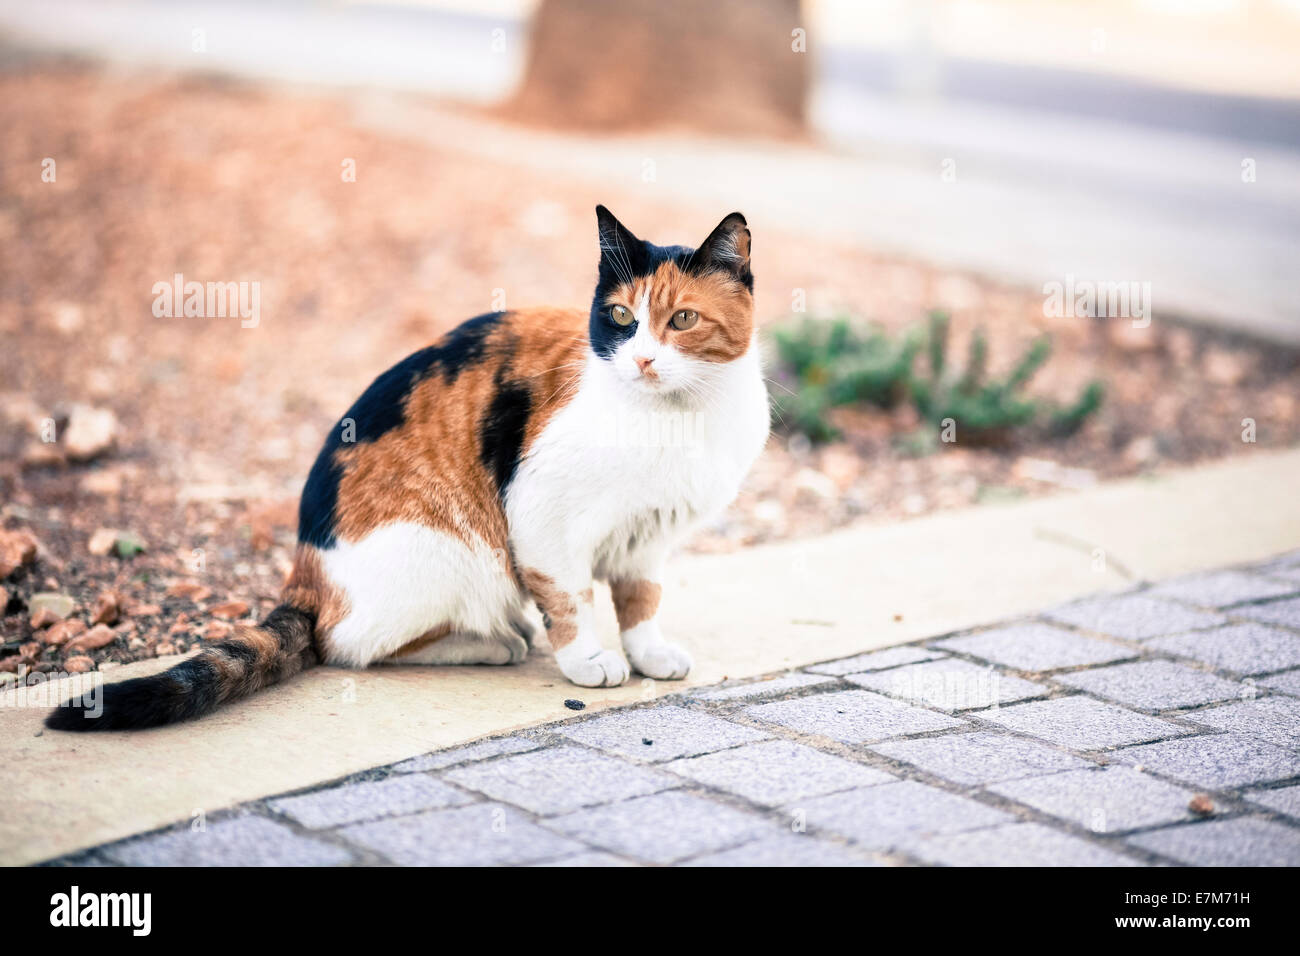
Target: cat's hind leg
460, 648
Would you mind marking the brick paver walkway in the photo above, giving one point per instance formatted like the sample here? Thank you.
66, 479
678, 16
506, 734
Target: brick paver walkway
1158, 726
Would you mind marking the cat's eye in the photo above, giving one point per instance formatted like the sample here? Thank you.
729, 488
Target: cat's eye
621, 315
684, 319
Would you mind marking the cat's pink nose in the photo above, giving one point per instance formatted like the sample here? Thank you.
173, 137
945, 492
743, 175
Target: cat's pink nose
644, 365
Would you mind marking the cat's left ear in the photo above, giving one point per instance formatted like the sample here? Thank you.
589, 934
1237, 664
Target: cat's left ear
727, 248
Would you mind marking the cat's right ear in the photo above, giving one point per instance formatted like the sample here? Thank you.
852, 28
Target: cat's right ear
618, 246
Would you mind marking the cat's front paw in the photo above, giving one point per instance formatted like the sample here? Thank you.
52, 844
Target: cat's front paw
604, 669
662, 661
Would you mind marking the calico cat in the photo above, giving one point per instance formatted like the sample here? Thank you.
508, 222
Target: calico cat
522, 456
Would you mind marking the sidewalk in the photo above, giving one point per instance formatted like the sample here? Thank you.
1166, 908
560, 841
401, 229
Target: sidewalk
1150, 727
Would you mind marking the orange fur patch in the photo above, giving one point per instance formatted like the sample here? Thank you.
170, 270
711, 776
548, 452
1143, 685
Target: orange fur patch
635, 601
429, 470
559, 607
726, 309
310, 589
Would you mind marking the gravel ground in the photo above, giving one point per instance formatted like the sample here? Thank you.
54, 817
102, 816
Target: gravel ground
192, 436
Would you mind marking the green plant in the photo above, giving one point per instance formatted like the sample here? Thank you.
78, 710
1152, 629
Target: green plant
829, 364
983, 409
824, 365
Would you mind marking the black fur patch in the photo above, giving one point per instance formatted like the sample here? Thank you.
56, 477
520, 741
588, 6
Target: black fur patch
380, 409
501, 433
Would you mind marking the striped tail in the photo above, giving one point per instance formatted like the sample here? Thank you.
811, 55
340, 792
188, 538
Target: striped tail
245, 662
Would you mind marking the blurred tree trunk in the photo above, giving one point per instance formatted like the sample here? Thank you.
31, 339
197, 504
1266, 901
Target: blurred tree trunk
725, 66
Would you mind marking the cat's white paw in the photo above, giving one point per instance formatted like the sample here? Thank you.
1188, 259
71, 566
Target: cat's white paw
605, 669
662, 661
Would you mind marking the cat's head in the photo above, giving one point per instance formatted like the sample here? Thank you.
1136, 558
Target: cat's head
668, 319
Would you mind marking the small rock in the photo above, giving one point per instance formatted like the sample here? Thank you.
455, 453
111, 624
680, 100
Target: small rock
107, 609
1223, 367
164, 649
40, 454
1141, 451
79, 664
31, 650
574, 704
102, 541
67, 317
231, 610
55, 605
101, 635
43, 617
190, 590
1202, 805
62, 632
110, 540
841, 465
145, 610
17, 548
814, 487
106, 483
217, 630
1123, 334
89, 433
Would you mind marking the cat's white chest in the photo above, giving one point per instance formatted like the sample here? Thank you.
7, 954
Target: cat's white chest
610, 468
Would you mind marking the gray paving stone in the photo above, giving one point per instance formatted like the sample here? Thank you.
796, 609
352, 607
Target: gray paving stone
1244, 841
672, 732
1104, 800
1082, 723
1242, 648
1215, 761
1285, 800
1221, 589
1155, 685
1134, 616
245, 840
875, 660
1285, 612
1275, 719
763, 688
664, 827
1016, 844
481, 834
950, 684
1283, 573
981, 757
852, 716
1290, 559
560, 779
895, 816
1037, 647
774, 772
788, 849
479, 751
1288, 683
354, 802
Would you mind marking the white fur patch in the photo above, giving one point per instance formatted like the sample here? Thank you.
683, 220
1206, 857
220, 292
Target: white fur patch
403, 579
